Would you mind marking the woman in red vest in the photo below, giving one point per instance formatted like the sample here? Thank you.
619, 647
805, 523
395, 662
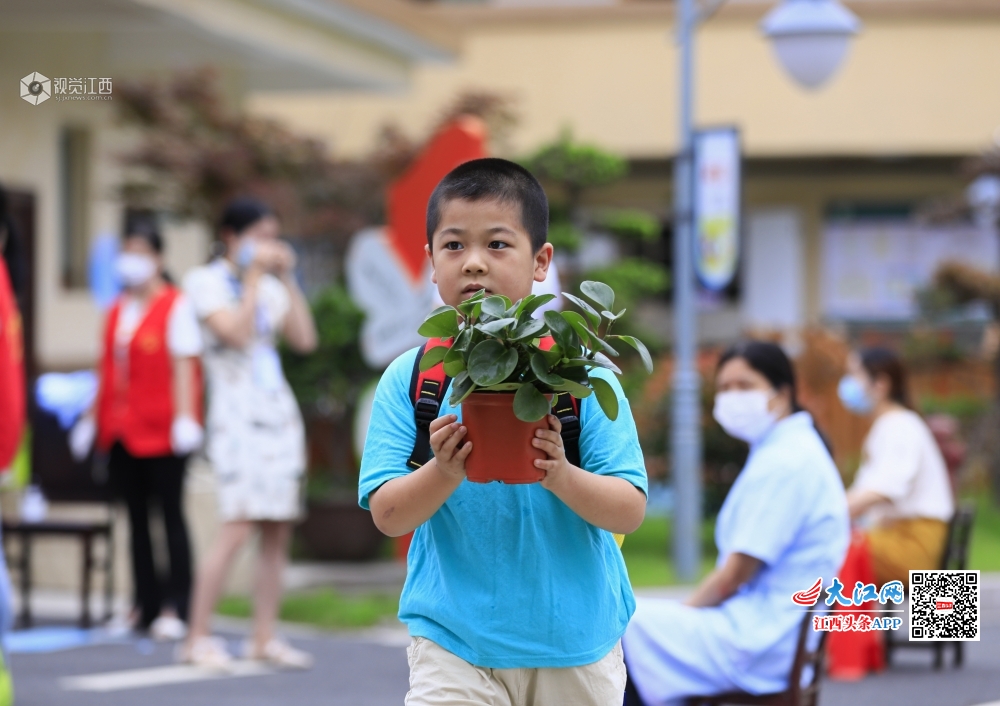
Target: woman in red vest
148, 420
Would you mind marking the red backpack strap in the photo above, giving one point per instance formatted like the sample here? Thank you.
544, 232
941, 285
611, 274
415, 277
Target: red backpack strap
567, 409
427, 390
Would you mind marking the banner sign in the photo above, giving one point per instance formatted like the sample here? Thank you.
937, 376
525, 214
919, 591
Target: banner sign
717, 205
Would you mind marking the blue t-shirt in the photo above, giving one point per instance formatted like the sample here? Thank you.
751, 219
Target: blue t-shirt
508, 576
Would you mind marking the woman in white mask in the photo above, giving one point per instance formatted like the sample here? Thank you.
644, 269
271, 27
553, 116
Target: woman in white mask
148, 413
901, 492
247, 300
783, 524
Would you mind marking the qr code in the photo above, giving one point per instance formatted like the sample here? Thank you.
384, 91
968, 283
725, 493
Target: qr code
944, 605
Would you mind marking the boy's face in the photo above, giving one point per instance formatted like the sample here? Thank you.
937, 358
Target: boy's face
483, 245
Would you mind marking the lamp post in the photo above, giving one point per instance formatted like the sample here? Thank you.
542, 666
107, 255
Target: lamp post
810, 38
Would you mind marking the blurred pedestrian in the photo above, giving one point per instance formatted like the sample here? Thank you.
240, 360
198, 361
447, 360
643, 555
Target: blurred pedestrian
148, 409
783, 524
246, 300
902, 490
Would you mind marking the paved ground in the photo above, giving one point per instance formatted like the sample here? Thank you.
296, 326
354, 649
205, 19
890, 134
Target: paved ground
369, 669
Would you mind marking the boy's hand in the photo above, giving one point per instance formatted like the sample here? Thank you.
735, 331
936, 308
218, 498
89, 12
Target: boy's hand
446, 435
550, 441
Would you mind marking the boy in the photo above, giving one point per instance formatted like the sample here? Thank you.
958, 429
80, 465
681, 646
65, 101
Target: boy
515, 594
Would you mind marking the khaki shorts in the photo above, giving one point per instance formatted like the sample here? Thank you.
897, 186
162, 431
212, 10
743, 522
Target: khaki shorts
439, 678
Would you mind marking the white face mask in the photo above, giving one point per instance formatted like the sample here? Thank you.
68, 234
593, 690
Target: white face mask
134, 270
744, 415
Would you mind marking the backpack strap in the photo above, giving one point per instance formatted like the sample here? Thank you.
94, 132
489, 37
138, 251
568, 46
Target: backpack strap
566, 408
427, 390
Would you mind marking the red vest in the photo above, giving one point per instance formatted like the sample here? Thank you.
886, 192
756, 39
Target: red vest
12, 397
136, 402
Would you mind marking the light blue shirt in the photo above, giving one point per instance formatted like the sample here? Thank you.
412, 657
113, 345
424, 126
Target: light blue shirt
788, 509
508, 576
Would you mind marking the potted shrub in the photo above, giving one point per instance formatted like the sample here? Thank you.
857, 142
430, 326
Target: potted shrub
508, 365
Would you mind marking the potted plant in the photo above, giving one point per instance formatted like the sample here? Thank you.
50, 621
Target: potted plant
508, 365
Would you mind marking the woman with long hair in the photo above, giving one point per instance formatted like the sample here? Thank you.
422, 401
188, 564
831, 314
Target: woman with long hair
148, 412
247, 299
783, 524
901, 492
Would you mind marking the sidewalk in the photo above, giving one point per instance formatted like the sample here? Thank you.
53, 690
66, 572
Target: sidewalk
368, 668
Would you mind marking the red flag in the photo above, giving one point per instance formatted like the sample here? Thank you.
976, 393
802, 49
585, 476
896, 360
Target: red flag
12, 397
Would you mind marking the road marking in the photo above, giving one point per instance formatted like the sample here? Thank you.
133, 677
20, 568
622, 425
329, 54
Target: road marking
158, 676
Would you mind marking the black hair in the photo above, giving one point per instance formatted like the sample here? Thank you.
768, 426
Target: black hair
242, 212
494, 179
770, 361
143, 224
11, 250
882, 361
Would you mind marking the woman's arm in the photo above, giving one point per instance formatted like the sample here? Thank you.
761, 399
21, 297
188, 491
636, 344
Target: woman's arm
725, 580
860, 501
299, 329
236, 327
183, 386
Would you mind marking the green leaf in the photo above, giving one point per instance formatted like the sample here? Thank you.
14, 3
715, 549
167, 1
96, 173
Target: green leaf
647, 360
553, 355
603, 361
461, 387
599, 292
440, 323
606, 397
433, 356
576, 373
463, 340
454, 362
494, 327
562, 331
574, 388
613, 317
540, 367
579, 325
604, 346
529, 306
528, 329
469, 304
530, 405
491, 362
495, 306
595, 318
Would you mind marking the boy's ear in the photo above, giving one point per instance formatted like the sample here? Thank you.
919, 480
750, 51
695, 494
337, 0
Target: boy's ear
430, 256
543, 258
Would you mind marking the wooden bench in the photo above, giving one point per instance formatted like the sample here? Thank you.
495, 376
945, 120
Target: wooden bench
86, 532
954, 557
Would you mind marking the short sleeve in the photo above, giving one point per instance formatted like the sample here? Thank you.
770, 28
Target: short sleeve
893, 457
611, 448
772, 508
208, 291
183, 332
391, 430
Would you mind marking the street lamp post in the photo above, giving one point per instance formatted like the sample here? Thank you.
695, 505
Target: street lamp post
810, 38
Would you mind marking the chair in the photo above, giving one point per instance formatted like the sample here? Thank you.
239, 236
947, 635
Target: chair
795, 694
954, 557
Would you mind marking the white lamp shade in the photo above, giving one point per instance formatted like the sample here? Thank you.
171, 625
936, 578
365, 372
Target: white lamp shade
810, 38
811, 59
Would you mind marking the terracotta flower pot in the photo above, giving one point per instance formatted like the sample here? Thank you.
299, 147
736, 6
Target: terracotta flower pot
501, 443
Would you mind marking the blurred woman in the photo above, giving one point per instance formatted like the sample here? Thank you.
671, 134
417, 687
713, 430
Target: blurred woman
246, 300
901, 490
783, 524
148, 411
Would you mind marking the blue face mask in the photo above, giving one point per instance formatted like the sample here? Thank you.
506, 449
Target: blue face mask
245, 253
853, 395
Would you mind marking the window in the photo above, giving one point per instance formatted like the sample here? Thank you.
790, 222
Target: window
74, 157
